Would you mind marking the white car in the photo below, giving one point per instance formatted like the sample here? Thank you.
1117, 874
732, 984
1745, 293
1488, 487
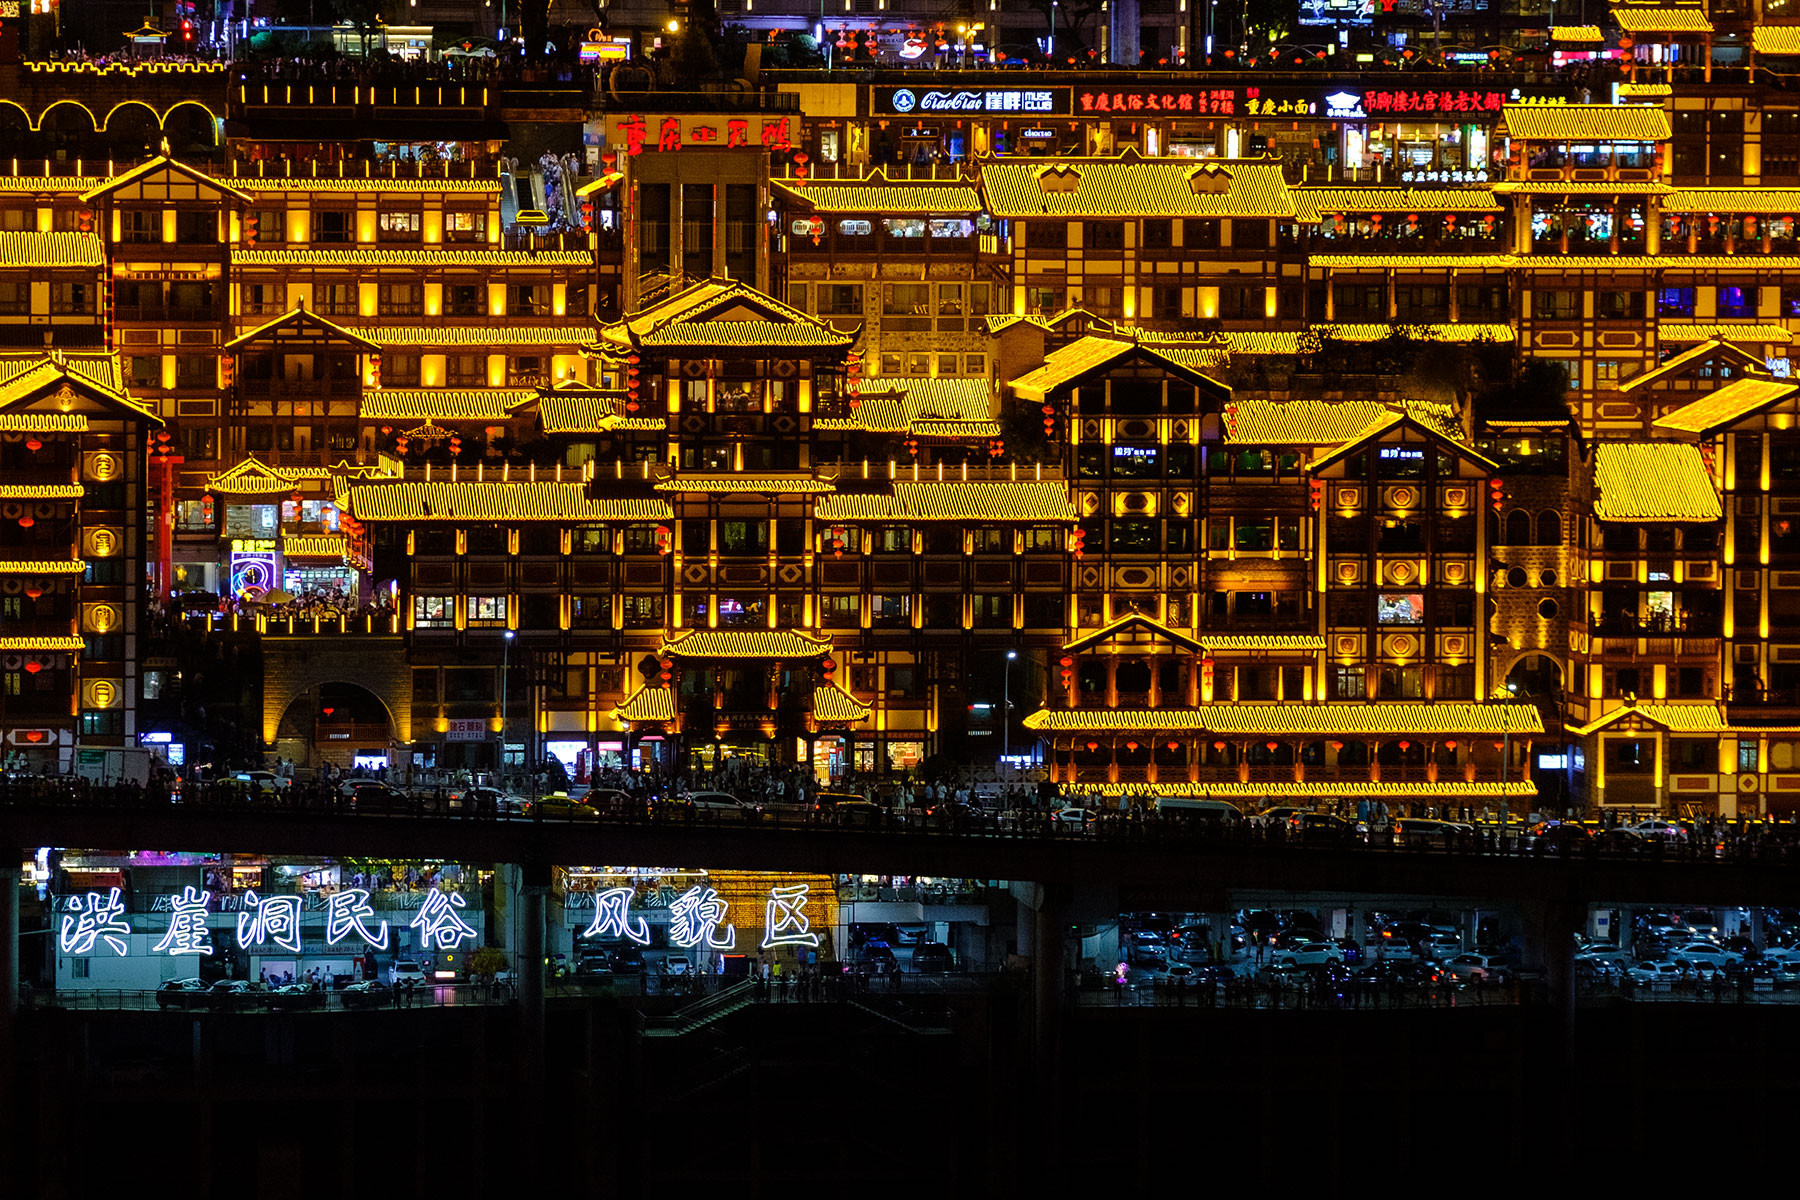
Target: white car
1655, 827
488, 800
1440, 947
1657, 974
1705, 952
1395, 949
1599, 953
1310, 954
1079, 818
406, 971
1467, 968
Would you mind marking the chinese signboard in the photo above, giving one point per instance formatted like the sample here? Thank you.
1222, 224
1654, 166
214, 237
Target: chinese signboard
1198, 102
969, 101
466, 731
1336, 104
640, 133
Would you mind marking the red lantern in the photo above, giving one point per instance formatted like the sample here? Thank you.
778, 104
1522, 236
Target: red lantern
34, 591
1337, 745
33, 445
1405, 746
1220, 746
1272, 746
26, 521
1132, 746
1093, 746
1450, 745
1174, 746
33, 666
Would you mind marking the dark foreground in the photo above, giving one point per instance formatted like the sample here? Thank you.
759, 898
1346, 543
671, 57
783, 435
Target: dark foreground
942, 1096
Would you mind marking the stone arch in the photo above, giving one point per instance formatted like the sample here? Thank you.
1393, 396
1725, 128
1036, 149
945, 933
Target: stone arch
51, 118
191, 127
294, 666
106, 122
1504, 667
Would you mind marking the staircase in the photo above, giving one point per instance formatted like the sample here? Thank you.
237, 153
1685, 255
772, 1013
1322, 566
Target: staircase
702, 1012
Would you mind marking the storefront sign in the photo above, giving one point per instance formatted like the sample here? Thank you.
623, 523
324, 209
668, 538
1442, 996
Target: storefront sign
466, 731
697, 916
969, 101
1443, 177
638, 132
32, 737
1429, 102
1197, 102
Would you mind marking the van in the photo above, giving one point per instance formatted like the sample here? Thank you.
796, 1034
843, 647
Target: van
1217, 811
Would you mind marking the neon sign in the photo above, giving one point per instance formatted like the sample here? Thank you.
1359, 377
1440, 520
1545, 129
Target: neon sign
785, 922
695, 919
345, 913
439, 922
102, 917
273, 919
612, 917
1213, 101
970, 101
187, 932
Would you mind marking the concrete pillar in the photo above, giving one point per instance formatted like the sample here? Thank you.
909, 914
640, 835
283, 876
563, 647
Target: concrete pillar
1757, 937
1047, 977
534, 888
1218, 930
1549, 947
1122, 33
9, 982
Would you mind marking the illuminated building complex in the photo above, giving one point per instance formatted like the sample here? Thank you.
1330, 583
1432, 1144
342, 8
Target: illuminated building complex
792, 448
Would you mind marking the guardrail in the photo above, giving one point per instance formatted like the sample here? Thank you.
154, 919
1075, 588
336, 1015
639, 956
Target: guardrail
430, 995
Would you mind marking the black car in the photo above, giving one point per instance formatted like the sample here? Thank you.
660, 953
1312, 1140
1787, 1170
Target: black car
933, 958
863, 932
182, 993
236, 995
379, 798
1320, 828
878, 952
1619, 841
370, 994
295, 997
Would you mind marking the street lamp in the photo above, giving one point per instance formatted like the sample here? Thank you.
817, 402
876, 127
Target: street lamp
505, 662
1006, 709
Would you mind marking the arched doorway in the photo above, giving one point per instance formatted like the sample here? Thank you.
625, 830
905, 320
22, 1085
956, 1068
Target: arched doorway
343, 724
1538, 678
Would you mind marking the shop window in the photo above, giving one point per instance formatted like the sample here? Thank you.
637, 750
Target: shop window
644, 612
1250, 235
1401, 683
528, 300
1242, 303
334, 225
140, 225
265, 299
196, 371
487, 610
906, 307
1738, 302
891, 610
465, 370
1200, 233
992, 611
400, 300
399, 226
465, 226
841, 612
1675, 302
1400, 608
465, 300
744, 537
271, 225
744, 611
1553, 304
434, 612
1103, 235
1158, 235
71, 299
1046, 235
1619, 306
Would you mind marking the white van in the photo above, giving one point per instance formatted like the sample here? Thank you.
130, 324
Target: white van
1208, 810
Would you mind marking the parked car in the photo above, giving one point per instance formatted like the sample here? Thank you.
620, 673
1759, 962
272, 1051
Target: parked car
1620, 841
293, 997
933, 958
405, 970
1281, 814
560, 806
230, 995
1559, 837
181, 993
381, 799
878, 952
1710, 953
1310, 954
1615, 955
371, 993
1470, 968
1661, 973
1321, 828
1656, 827
487, 801
1423, 833
1075, 817
718, 806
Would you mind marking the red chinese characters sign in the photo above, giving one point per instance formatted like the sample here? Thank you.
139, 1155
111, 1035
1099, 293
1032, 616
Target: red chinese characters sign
639, 133
1430, 102
1221, 102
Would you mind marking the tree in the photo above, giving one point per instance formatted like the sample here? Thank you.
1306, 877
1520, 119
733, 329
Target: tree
486, 962
1270, 21
362, 15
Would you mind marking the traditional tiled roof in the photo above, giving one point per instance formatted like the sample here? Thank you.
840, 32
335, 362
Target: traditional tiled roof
452, 255
16, 566
471, 501
1661, 18
1725, 406
833, 703
23, 376
1545, 187
1257, 720
1311, 204
648, 704
1066, 364
1238, 643
1684, 334
1776, 39
48, 642
1580, 122
902, 405
297, 318
1676, 718
584, 410
1578, 34
498, 334
1289, 789
741, 335
1322, 422
724, 482
747, 643
162, 163
995, 322
1472, 262
1136, 623
441, 404
1755, 264
1779, 201
719, 312
41, 491
876, 193
999, 500
1653, 481
1131, 186
322, 545
253, 477
1639, 90
1435, 421
49, 251
252, 183
33, 422
1445, 332
1678, 363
